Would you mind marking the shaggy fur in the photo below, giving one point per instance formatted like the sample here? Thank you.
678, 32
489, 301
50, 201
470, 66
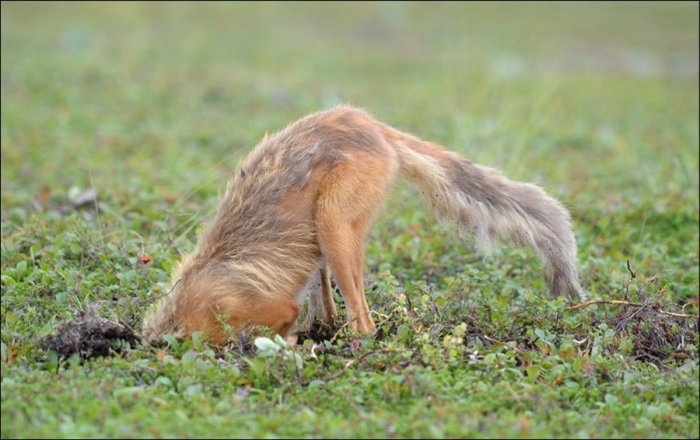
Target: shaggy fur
299, 209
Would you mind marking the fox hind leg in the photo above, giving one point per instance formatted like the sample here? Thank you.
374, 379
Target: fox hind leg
349, 196
340, 245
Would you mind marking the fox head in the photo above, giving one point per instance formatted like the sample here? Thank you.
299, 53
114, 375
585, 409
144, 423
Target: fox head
162, 318
206, 297
188, 295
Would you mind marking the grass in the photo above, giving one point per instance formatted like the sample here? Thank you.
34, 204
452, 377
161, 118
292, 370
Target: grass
153, 105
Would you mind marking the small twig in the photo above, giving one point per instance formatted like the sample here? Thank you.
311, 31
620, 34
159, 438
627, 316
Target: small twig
623, 323
351, 362
493, 340
410, 305
677, 315
296, 367
382, 316
656, 307
603, 301
632, 274
338, 332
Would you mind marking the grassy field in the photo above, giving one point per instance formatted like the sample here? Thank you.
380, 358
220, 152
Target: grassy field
153, 105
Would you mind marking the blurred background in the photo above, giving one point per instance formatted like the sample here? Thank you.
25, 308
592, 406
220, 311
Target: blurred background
152, 79
153, 104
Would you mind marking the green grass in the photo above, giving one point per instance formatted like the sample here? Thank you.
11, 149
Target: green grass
153, 105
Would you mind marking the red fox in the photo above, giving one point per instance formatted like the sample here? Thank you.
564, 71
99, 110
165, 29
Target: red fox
300, 206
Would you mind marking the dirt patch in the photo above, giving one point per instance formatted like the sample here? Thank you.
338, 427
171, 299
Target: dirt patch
656, 335
318, 331
659, 331
89, 335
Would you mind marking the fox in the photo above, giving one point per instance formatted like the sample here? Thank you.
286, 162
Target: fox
298, 209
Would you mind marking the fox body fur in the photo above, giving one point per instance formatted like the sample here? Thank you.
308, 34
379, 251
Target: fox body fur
299, 208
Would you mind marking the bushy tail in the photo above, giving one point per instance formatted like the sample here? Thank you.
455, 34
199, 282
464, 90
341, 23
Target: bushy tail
490, 207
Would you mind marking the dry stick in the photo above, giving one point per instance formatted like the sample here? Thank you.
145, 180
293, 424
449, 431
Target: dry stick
353, 361
410, 304
657, 307
490, 339
338, 332
632, 274
623, 323
296, 367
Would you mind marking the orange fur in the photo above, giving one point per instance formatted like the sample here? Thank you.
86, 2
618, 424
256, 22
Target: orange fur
299, 209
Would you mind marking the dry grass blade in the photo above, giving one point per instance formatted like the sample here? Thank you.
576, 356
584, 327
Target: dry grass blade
656, 307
